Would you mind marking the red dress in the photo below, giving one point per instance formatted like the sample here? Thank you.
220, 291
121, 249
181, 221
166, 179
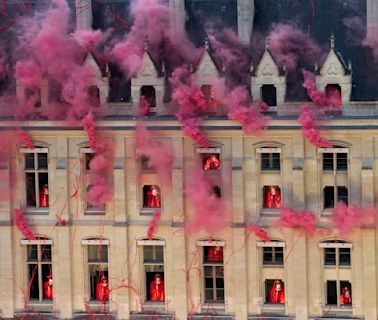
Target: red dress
157, 289
152, 198
44, 196
272, 197
212, 163
102, 290
345, 296
48, 291
215, 254
277, 293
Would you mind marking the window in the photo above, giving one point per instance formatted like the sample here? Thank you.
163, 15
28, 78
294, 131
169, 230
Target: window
269, 95
153, 260
336, 253
339, 293
36, 177
272, 197
331, 193
119, 86
213, 271
94, 96
274, 291
145, 163
210, 161
333, 92
33, 97
208, 94
39, 268
273, 256
148, 92
217, 191
270, 162
335, 161
98, 269
151, 196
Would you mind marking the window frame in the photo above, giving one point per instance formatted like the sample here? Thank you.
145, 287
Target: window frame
338, 293
35, 151
270, 151
334, 151
337, 245
335, 195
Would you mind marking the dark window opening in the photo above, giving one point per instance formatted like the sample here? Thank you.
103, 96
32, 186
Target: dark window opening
329, 197
331, 293
274, 291
119, 86
269, 94
213, 254
99, 287
345, 293
145, 163
151, 196
88, 158
270, 162
327, 161
272, 197
344, 256
208, 94
210, 161
330, 256
217, 191
33, 97
333, 92
273, 256
149, 95
94, 96
153, 259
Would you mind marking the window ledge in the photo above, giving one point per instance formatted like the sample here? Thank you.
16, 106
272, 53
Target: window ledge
94, 212
148, 211
270, 212
37, 211
273, 307
154, 306
270, 170
273, 265
340, 309
213, 306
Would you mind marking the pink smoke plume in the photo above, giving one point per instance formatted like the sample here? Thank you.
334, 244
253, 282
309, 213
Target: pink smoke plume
89, 127
192, 104
210, 212
332, 98
159, 157
259, 232
153, 225
289, 45
345, 218
310, 128
25, 138
293, 219
144, 107
21, 224
88, 39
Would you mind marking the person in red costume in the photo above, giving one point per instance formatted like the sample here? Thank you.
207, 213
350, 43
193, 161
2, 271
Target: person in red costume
277, 292
157, 288
215, 254
48, 291
152, 198
44, 196
273, 197
346, 296
102, 289
211, 163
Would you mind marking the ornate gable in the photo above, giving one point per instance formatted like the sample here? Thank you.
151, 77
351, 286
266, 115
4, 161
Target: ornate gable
334, 71
149, 74
268, 73
90, 61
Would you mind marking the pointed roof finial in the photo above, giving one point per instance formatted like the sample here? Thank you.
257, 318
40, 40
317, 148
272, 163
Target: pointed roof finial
332, 41
350, 65
206, 43
223, 68
267, 39
316, 66
145, 43
163, 68
251, 68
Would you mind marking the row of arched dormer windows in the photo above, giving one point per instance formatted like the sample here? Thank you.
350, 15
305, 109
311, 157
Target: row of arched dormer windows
212, 255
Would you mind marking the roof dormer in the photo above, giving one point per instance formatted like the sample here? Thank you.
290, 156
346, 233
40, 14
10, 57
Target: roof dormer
334, 72
149, 83
268, 81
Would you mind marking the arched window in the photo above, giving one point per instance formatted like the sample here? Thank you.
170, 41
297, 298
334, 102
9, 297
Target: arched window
148, 92
269, 94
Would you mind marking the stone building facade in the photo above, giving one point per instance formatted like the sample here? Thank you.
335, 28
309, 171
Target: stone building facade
77, 244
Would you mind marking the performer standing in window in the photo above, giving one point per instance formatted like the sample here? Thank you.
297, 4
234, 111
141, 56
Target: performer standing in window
211, 163
152, 197
346, 296
277, 292
272, 197
102, 289
48, 292
215, 254
157, 288
44, 196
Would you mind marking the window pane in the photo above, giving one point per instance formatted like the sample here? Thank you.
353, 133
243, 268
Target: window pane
42, 160
278, 255
265, 161
330, 256
276, 161
268, 287
159, 253
331, 292
153, 254
208, 271
220, 283
220, 295
43, 189
97, 253
29, 161
32, 253
327, 161
209, 283
342, 194
344, 256
30, 189
47, 281
219, 272
267, 255
209, 295
342, 161
46, 253
33, 281
329, 197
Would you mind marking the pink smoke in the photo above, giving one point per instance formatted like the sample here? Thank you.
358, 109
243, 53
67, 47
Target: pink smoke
210, 212
293, 219
144, 106
289, 45
160, 157
260, 233
25, 138
153, 225
21, 224
89, 127
310, 128
320, 98
192, 104
345, 218
88, 39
